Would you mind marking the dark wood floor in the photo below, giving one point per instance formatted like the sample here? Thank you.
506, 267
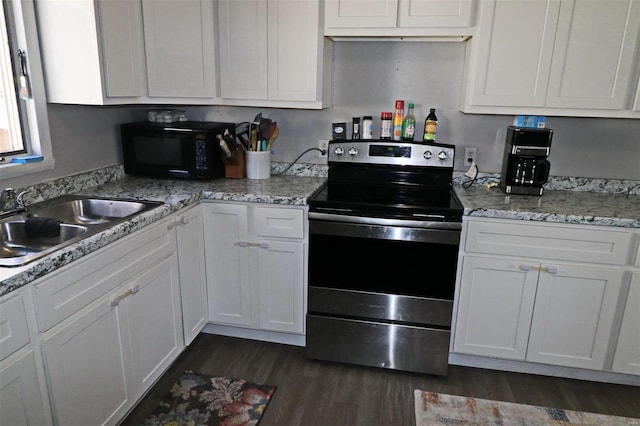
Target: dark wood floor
321, 393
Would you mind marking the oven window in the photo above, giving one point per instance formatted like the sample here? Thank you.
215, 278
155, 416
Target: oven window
385, 266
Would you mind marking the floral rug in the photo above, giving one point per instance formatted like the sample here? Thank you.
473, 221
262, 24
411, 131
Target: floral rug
196, 399
441, 409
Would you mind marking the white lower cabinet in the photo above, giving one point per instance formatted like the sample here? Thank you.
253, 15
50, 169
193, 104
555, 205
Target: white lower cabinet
21, 397
255, 266
103, 353
193, 280
627, 355
540, 310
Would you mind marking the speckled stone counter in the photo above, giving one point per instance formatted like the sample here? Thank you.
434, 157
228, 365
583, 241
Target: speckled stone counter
176, 194
577, 207
566, 200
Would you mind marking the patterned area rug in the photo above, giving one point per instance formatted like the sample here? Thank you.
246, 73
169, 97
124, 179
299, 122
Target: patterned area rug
441, 409
196, 399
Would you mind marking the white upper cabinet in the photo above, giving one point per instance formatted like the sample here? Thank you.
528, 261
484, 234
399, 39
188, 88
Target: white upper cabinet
92, 51
272, 53
514, 49
102, 52
398, 17
554, 57
180, 48
593, 58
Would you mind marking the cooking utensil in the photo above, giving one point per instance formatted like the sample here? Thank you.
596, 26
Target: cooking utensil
273, 137
253, 139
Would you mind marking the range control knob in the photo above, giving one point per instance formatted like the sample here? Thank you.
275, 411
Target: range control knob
427, 155
338, 150
443, 155
353, 151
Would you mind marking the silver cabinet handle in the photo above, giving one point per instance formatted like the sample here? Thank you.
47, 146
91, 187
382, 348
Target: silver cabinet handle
526, 268
177, 222
250, 244
133, 290
550, 269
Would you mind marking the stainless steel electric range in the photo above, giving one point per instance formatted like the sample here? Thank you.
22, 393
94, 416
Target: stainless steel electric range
383, 244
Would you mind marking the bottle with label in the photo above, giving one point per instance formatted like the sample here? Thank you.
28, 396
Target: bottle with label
385, 126
367, 127
397, 121
355, 130
409, 125
430, 126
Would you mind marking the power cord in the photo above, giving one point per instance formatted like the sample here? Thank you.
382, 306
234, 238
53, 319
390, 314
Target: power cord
472, 173
322, 151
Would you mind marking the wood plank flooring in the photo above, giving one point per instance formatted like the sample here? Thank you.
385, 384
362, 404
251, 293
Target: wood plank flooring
330, 394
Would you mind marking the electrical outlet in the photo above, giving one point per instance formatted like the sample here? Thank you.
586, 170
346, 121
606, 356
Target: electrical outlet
324, 145
469, 156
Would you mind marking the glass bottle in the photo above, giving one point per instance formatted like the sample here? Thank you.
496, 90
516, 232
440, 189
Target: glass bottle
430, 126
367, 127
409, 125
385, 126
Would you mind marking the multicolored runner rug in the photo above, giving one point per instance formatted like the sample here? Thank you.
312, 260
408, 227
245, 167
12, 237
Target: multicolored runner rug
434, 409
197, 399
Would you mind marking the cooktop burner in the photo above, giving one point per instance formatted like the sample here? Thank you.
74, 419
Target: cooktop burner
389, 180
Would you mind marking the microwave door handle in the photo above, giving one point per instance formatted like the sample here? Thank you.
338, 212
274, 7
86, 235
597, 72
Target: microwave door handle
175, 129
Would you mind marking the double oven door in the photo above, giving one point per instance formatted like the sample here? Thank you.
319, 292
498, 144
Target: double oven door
381, 291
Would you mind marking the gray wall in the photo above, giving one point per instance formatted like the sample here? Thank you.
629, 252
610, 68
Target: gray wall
367, 78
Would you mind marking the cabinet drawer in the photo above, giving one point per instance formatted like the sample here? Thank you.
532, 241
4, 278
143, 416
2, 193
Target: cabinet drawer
61, 294
278, 222
582, 244
14, 332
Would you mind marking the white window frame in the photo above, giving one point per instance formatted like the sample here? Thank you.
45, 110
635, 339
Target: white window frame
38, 140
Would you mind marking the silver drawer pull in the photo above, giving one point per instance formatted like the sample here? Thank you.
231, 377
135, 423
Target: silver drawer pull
133, 290
525, 268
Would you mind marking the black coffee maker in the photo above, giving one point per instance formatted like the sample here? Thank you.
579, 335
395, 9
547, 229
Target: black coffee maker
525, 167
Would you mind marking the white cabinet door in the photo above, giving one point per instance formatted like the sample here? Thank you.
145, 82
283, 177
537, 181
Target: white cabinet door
255, 266
227, 263
193, 280
495, 307
180, 48
243, 49
434, 13
573, 316
514, 52
92, 51
88, 366
122, 47
154, 322
627, 355
20, 398
593, 56
272, 53
361, 13
280, 286
294, 66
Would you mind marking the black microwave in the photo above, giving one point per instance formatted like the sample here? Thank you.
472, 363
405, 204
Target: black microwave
186, 149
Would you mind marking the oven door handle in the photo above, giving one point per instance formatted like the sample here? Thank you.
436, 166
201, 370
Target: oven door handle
420, 222
382, 232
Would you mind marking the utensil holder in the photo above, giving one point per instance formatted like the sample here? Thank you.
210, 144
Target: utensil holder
235, 167
258, 164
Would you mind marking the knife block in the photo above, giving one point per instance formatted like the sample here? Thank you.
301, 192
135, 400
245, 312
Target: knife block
235, 166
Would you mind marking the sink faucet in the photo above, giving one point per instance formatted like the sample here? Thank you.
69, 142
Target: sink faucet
12, 203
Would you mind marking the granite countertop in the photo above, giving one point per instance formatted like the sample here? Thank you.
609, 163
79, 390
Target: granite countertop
559, 206
176, 195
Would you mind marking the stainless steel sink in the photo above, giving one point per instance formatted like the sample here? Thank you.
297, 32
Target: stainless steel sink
91, 211
16, 243
81, 217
